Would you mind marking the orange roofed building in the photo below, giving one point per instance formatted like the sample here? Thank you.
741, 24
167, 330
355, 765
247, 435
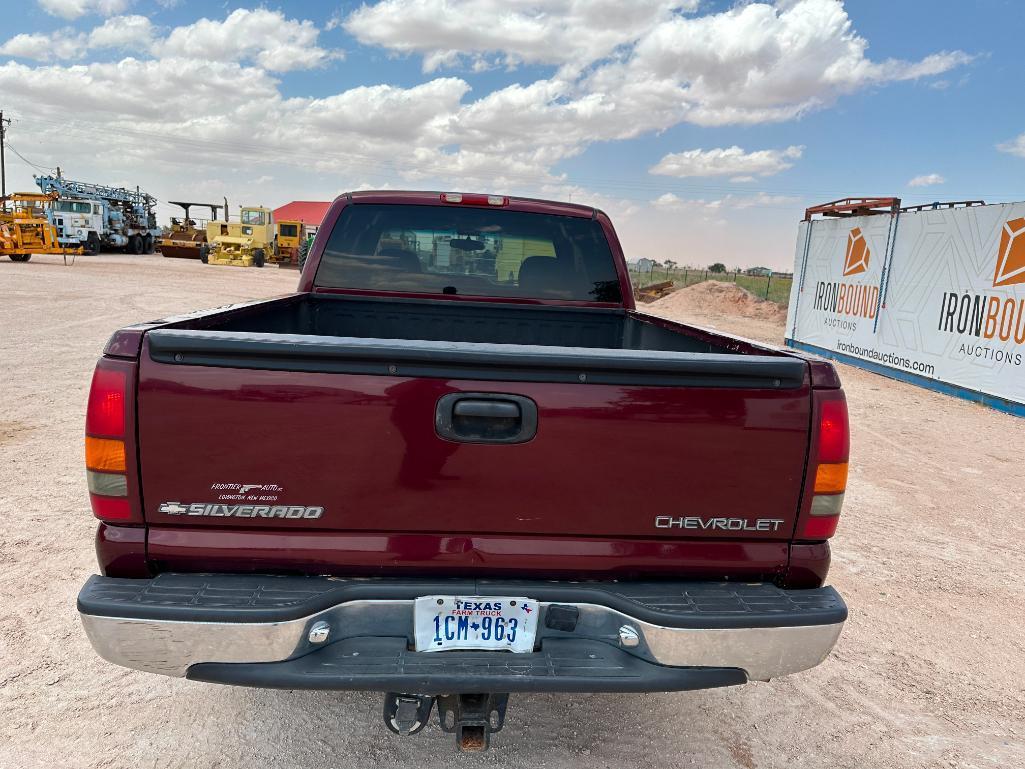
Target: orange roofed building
309, 212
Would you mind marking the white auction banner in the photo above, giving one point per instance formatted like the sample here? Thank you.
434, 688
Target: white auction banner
935, 296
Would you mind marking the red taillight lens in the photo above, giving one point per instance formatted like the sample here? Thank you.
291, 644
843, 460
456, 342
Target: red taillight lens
828, 467
108, 444
821, 528
110, 508
106, 412
834, 432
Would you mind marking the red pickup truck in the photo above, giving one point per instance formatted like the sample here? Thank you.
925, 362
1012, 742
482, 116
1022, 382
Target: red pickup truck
459, 463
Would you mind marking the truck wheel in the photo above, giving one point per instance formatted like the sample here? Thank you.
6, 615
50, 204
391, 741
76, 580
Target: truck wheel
259, 257
92, 244
135, 244
20, 257
147, 243
204, 253
304, 249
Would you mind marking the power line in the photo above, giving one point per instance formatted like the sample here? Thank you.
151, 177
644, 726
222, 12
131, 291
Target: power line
4, 122
29, 162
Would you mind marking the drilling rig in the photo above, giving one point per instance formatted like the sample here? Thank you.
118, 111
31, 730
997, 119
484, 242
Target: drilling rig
99, 217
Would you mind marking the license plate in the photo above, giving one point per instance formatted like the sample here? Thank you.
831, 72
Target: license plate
445, 622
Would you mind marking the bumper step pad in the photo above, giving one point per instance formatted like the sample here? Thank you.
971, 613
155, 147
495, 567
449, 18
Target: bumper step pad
386, 664
262, 598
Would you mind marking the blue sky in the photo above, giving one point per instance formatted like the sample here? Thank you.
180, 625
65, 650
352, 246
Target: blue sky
704, 128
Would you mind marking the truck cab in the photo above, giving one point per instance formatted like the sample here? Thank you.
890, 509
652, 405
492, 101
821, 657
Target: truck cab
76, 219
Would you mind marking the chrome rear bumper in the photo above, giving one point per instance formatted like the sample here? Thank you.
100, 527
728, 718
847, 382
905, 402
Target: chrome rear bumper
162, 638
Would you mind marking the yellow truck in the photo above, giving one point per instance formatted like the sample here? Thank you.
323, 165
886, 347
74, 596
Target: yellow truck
25, 228
290, 237
252, 241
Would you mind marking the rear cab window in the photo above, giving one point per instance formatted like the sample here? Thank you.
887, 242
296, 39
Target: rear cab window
468, 251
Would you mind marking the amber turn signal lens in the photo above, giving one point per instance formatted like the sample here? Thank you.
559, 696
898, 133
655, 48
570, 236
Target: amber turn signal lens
831, 478
105, 454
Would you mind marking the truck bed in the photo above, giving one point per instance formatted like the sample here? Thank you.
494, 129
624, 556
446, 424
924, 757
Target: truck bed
461, 321
441, 338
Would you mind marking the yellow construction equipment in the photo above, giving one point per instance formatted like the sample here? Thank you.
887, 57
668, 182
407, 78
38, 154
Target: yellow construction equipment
245, 243
185, 239
290, 236
25, 229
253, 241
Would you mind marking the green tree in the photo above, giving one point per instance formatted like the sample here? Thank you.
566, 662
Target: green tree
717, 267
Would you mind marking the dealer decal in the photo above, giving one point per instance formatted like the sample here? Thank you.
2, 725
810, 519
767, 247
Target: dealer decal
218, 510
855, 300
996, 316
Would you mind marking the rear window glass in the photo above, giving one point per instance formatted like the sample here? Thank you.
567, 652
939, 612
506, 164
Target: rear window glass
469, 251
288, 230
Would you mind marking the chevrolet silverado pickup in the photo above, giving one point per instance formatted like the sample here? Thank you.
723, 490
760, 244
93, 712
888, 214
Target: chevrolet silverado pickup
459, 463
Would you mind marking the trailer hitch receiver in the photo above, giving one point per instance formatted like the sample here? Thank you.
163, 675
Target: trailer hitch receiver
473, 718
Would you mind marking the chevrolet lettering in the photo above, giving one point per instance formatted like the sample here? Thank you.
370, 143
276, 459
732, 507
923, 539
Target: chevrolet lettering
722, 524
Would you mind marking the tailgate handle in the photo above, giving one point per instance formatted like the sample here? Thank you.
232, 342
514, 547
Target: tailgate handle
468, 407
486, 418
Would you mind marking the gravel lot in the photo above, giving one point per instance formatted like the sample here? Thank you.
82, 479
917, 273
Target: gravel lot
930, 671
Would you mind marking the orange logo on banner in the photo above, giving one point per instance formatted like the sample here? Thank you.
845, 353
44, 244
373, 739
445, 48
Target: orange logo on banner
1011, 257
858, 254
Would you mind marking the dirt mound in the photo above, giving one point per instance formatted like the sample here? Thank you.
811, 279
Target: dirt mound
717, 297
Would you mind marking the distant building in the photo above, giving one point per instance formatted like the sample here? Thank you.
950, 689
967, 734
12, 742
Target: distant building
758, 272
645, 265
309, 212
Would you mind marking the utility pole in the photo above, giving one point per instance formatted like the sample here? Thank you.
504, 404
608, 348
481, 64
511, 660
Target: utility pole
4, 122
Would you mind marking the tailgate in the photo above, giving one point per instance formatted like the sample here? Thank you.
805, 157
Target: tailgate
320, 435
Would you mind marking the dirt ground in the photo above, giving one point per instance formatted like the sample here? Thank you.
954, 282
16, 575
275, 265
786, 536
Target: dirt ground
929, 672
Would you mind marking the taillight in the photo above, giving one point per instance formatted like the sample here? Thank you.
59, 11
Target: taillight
107, 443
831, 446
106, 412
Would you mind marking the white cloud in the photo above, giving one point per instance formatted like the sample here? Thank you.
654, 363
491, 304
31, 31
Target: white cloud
751, 64
926, 180
671, 202
62, 44
561, 32
730, 161
754, 63
73, 9
1015, 146
268, 38
178, 95
124, 32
